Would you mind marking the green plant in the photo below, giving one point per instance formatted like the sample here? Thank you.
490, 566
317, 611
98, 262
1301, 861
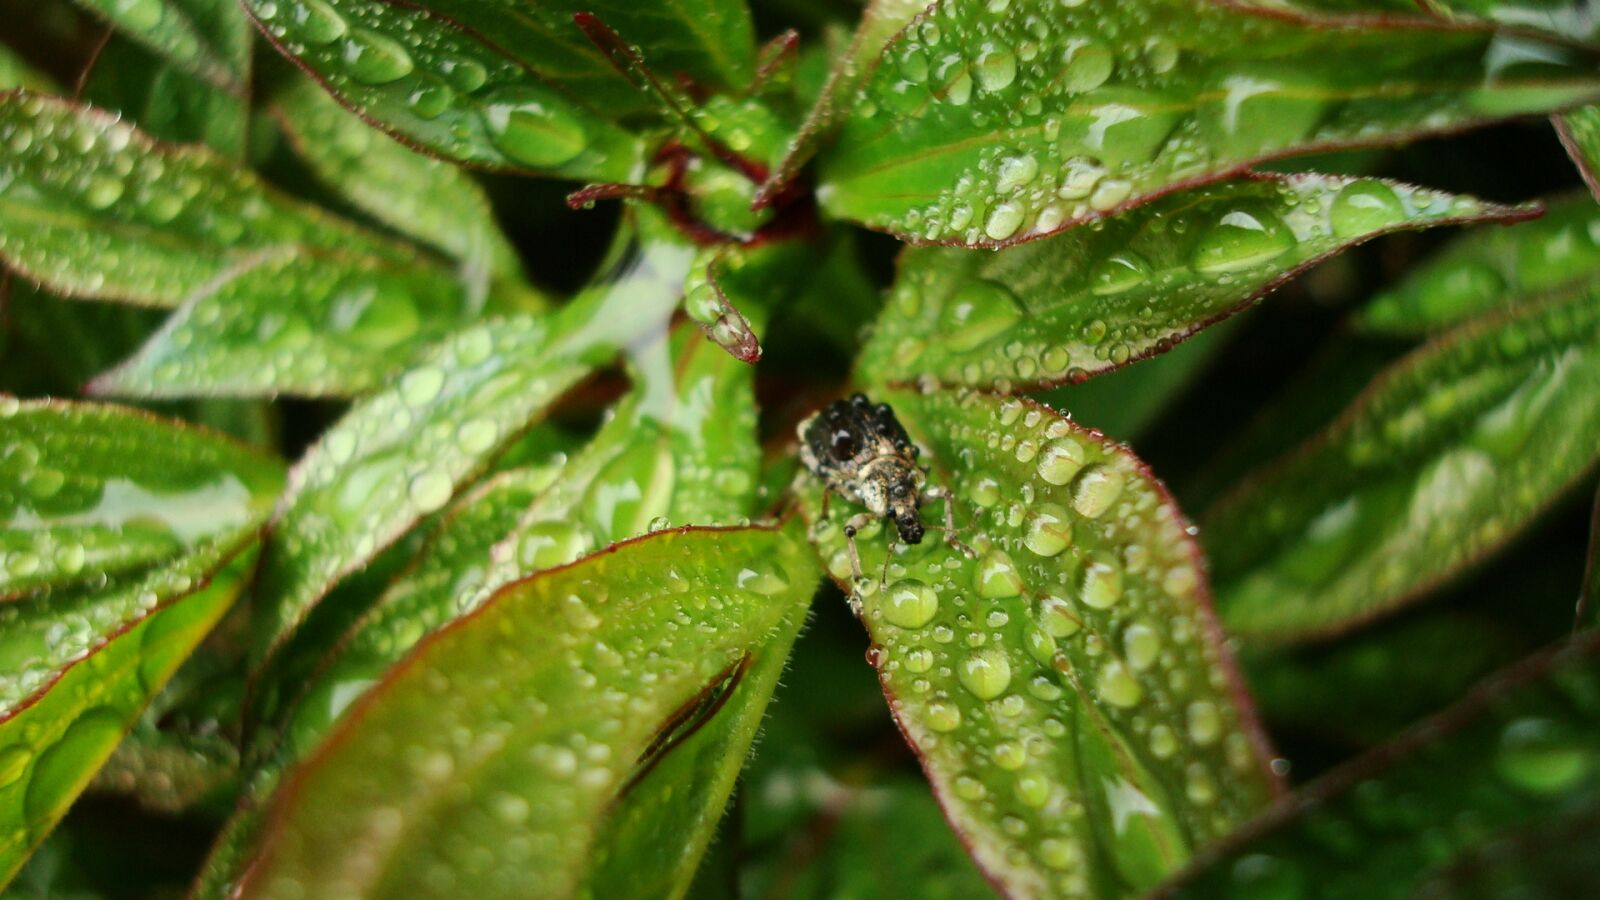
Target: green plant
510, 622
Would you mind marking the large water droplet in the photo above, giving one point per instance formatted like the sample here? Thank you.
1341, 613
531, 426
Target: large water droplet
1117, 273
1089, 64
986, 674
997, 576
317, 22
1364, 207
1541, 756
1049, 530
910, 604
533, 130
996, 69
1056, 617
1060, 460
1242, 239
64, 767
372, 58
1117, 685
13, 762
1102, 585
979, 312
763, 577
1096, 489
942, 716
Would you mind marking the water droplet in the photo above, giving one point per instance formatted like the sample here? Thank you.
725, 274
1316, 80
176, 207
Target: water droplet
1049, 530
431, 101
1541, 756
1242, 239
1003, 221
477, 436
1102, 585
64, 766
1089, 64
997, 576
1205, 723
958, 90
1140, 646
548, 544
419, 387
1079, 176
13, 761
763, 577
466, 75
1033, 789
1009, 755
1056, 617
317, 22
985, 491
979, 312
1060, 460
986, 674
1096, 489
430, 490
102, 191
534, 130
1016, 171
942, 716
997, 69
910, 604
372, 58
1117, 273
1116, 684
1363, 207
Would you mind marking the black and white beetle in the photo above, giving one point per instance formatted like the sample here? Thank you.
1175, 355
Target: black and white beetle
861, 452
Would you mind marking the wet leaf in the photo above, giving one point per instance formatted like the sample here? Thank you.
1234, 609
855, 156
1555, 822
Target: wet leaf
1067, 689
401, 453
166, 773
289, 322
619, 649
688, 457
210, 38
169, 103
1445, 457
94, 208
1513, 767
880, 20
989, 124
51, 744
1490, 269
424, 198
500, 83
89, 491
15, 72
1081, 303
1565, 19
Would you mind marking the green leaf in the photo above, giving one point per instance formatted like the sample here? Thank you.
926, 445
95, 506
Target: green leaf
1490, 269
1067, 689
1569, 20
89, 491
401, 453
290, 322
502, 84
168, 102
1470, 794
94, 208
1441, 460
52, 742
207, 37
1579, 131
989, 124
689, 457
622, 651
166, 773
1091, 300
879, 21
424, 198
15, 72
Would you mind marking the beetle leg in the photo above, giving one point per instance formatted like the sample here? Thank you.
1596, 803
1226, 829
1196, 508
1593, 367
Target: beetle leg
851, 526
950, 529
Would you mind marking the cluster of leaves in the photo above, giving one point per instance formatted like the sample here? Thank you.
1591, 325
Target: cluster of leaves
510, 621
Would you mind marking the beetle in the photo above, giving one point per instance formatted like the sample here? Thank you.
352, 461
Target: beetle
862, 453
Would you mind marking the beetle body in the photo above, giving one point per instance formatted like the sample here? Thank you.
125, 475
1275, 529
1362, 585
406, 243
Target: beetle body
863, 454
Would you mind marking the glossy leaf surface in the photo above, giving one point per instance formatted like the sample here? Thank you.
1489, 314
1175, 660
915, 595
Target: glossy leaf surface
1034, 115
498, 83
51, 746
685, 458
400, 454
1080, 303
1067, 689
1514, 767
208, 37
1446, 456
88, 491
289, 322
424, 198
1491, 269
94, 208
597, 644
